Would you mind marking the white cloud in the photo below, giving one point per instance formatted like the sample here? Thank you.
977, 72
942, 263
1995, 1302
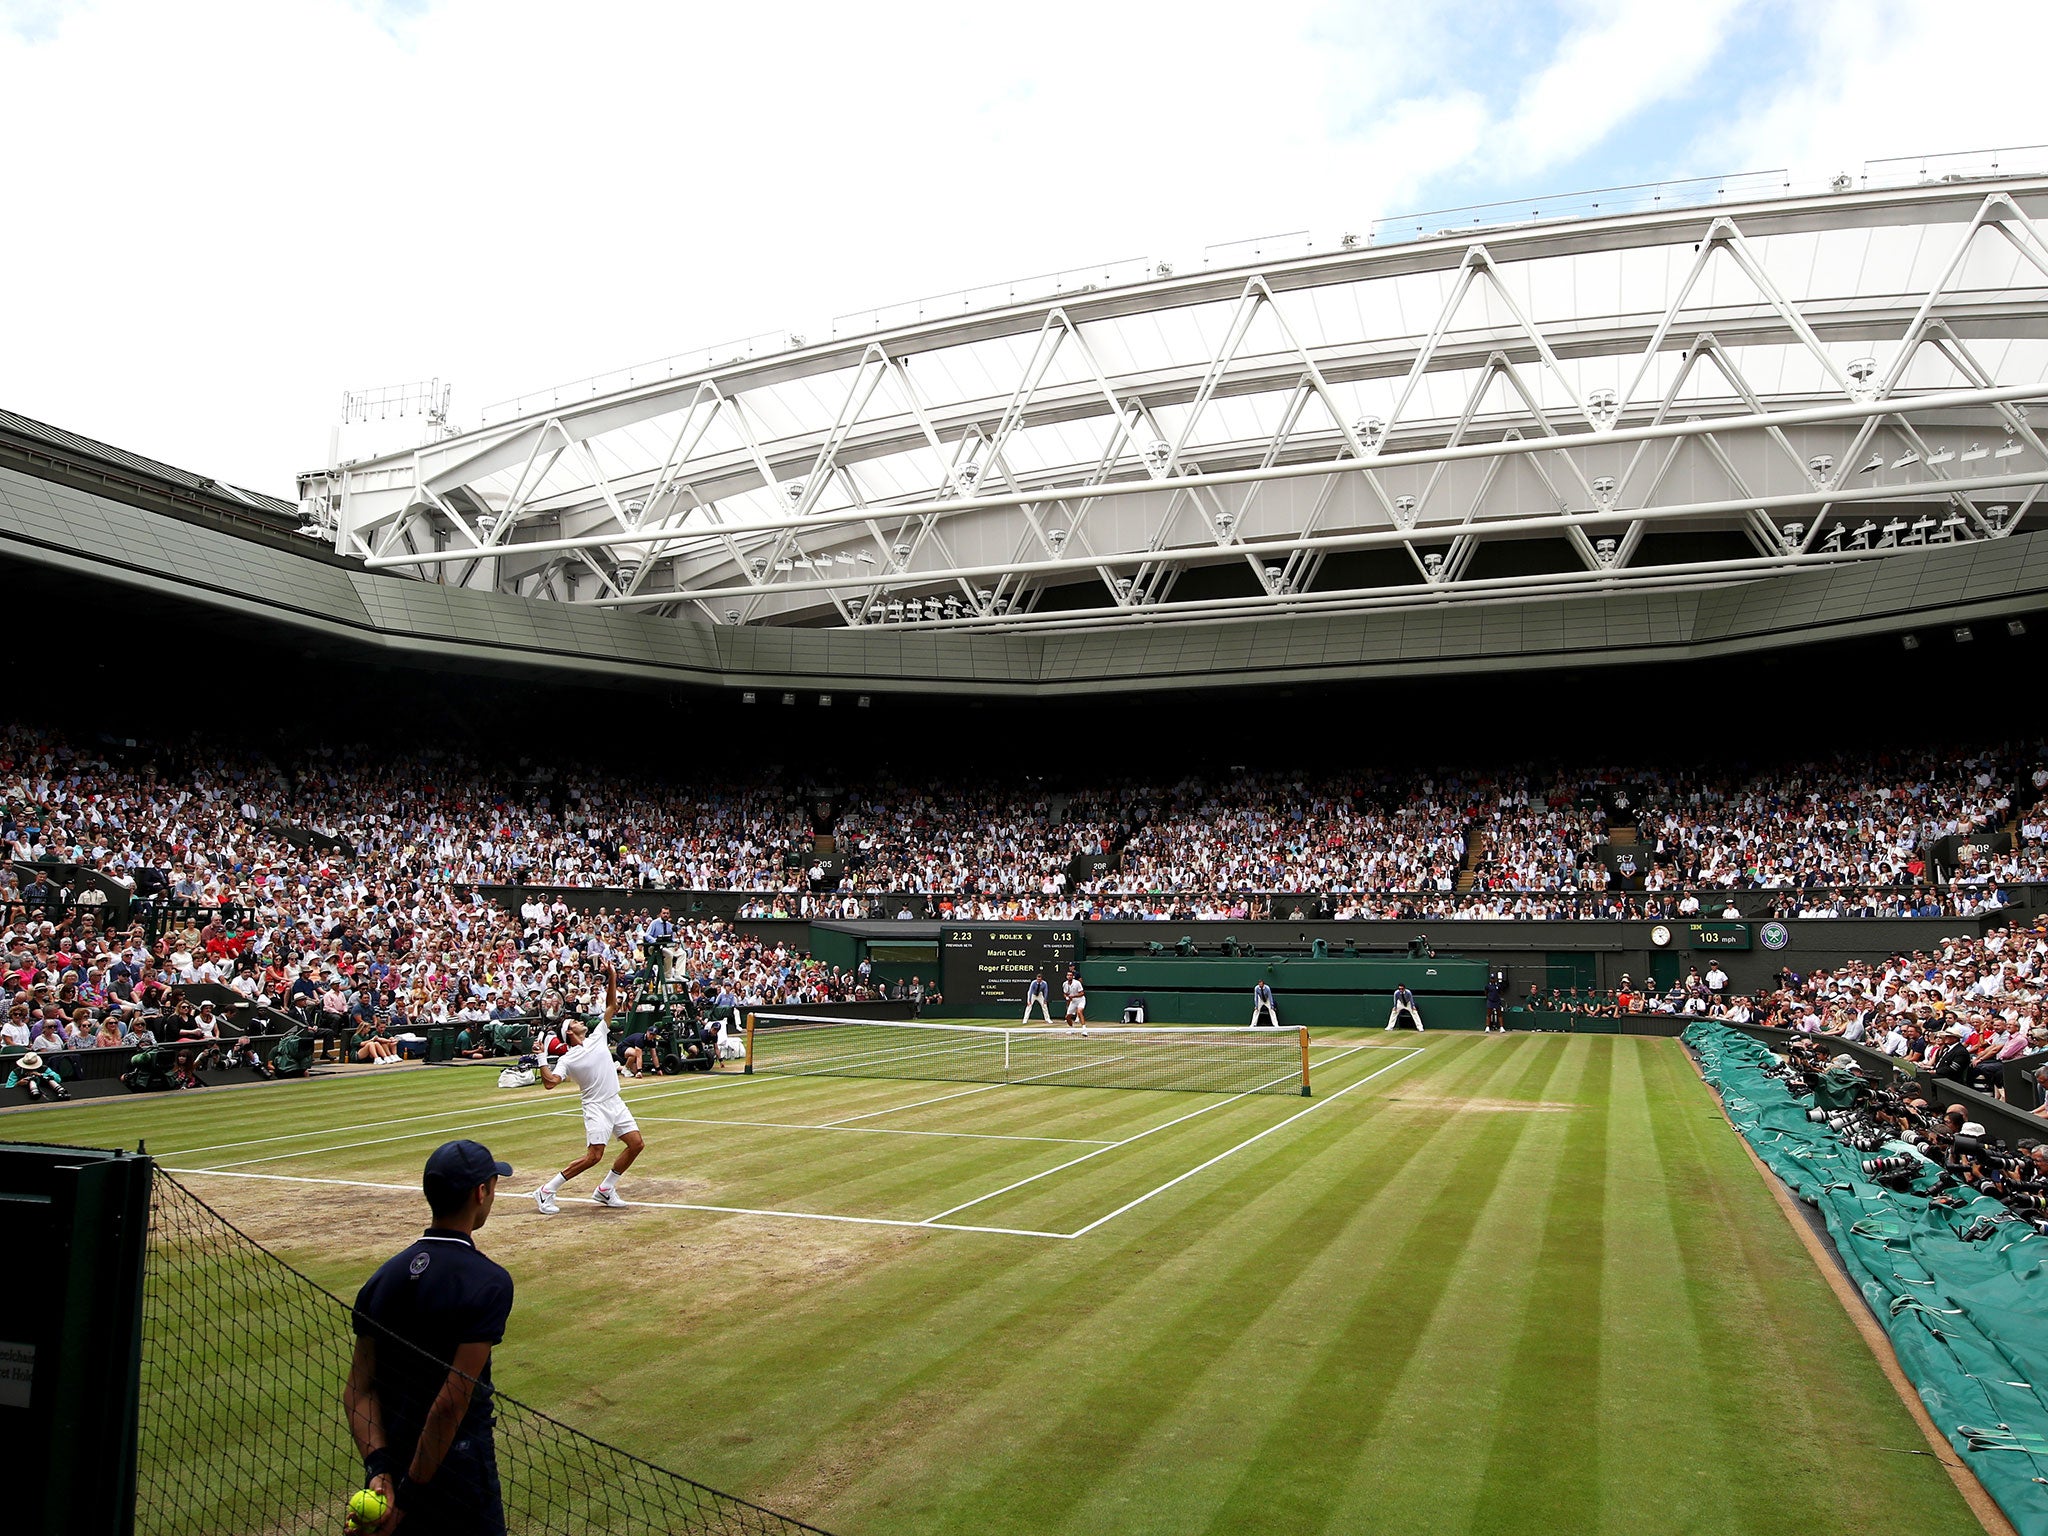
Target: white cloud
222, 214
1629, 56
1859, 80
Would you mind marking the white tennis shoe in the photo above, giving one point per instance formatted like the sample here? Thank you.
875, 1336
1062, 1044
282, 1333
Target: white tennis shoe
610, 1197
544, 1201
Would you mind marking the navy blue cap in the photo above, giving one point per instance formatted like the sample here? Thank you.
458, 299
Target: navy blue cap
462, 1165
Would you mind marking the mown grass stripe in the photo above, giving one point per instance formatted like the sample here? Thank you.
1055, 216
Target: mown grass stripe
1344, 1400
1543, 1468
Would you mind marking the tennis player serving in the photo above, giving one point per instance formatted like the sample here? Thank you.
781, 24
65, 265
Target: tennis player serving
588, 1064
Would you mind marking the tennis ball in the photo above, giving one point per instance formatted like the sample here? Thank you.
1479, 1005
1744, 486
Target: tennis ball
365, 1510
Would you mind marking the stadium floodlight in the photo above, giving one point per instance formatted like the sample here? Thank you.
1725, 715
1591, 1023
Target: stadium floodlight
748, 698
1371, 431
1791, 534
952, 607
967, 474
1941, 456
1905, 460
1861, 371
2015, 627
864, 557
901, 555
1225, 521
1820, 466
1158, 452
486, 524
1861, 538
1603, 408
759, 566
1433, 564
895, 610
789, 698
732, 616
1953, 529
1963, 634
983, 597
634, 509
1274, 577
1606, 550
861, 702
1057, 539
1604, 489
1909, 642
824, 701
628, 570
785, 565
1832, 544
1404, 510
931, 608
1876, 463
1889, 538
1996, 516
793, 491
2011, 447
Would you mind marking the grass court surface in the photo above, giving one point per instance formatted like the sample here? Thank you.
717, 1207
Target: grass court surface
1486, 1284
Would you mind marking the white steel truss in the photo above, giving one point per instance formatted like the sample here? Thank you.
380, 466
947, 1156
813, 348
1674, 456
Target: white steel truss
1666, 400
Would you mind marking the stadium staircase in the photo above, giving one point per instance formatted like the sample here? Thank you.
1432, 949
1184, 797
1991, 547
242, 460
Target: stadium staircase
1477, 846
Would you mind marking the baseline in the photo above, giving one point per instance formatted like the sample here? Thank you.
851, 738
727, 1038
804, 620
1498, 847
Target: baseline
658, 1205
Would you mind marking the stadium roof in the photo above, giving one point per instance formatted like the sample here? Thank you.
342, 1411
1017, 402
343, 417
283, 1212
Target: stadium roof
25, 430
1679, 386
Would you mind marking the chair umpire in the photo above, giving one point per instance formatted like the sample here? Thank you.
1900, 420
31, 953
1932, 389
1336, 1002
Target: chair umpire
419, 1387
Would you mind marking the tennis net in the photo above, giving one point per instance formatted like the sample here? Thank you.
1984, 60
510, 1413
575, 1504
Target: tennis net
1211, 1059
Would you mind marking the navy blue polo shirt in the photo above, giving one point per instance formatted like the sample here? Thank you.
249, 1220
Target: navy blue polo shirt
437, 1295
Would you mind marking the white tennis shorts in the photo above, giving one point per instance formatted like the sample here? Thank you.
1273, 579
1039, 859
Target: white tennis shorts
604, 1119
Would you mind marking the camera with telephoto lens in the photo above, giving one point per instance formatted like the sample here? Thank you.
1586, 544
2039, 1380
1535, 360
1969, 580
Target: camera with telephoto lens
1897, 1165
1818, 1116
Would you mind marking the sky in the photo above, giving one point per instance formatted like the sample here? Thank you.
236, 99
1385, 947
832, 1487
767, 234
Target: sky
221, 215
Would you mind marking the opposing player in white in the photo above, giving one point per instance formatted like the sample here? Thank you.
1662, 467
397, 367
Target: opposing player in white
1077, 1001
588, 1064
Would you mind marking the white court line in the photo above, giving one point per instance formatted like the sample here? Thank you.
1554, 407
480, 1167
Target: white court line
462, 1124
1262, 1135
870, 1130
730, 1081
1141, 1135
659, 1205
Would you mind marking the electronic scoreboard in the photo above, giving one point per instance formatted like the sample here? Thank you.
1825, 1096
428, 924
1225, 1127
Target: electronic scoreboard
987, 965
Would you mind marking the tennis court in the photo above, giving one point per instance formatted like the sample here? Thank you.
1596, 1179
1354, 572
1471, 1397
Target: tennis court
1486, 1284
951, 1127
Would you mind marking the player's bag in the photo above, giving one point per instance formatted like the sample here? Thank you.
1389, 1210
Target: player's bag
519, 1075
511, 1039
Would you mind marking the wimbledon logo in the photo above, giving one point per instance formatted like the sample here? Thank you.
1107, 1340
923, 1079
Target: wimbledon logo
1774, 936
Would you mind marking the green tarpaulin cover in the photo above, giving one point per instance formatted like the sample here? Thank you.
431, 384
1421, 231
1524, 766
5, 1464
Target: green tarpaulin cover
1969, 1320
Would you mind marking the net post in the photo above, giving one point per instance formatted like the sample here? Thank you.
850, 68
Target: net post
750, 1046
1304, 1062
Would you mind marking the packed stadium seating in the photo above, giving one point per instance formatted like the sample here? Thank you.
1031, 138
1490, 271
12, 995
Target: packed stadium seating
342, 884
